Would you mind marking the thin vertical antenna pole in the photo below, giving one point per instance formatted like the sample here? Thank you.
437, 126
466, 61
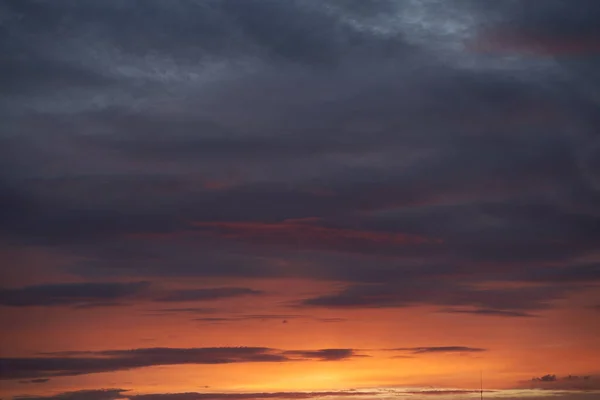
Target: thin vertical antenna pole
481, 383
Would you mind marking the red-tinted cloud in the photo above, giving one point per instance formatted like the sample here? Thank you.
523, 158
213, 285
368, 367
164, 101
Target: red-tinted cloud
517, 43
300, 233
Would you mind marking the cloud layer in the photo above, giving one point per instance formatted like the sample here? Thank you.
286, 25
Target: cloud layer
311, 131
89, 362
93, 294
380, 155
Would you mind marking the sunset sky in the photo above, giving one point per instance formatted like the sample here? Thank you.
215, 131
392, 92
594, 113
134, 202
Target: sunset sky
299, 199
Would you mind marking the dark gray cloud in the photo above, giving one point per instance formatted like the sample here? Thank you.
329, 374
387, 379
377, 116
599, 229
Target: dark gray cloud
440, 349
185, 310
285, 318
489, 312
88, 362
96, 394
39, 380
113, 294
576, 273
89, 293
113, 394
207, 294
325, 354
438, 292
251, 396
584, 382
405, 140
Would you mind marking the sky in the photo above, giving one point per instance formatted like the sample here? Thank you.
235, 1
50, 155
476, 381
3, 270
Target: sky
299, 199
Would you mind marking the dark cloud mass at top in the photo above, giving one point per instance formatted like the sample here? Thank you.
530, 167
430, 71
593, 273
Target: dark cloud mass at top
361, 191
397, 144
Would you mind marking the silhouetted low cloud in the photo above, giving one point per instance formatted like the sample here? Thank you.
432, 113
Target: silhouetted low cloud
325, 354
489, 312
70, 294
183, 310
40, 380
252, 396
110, 294
97, 394
545, 378
207, 294
88, 362
568, 382
267, 317
114, 394
439, 349
418, 290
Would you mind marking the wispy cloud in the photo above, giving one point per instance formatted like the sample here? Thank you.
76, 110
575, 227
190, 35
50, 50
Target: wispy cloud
489, 312
420, 290
439, 349
114, 394
285, 318
207, 294
81, 294
89, 362
111, 294
585, 382
325, 354
39, 380
95, 394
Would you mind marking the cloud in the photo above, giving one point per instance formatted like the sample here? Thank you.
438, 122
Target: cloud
325, 354
422, 291
207, 294
539, 46
97, 394
285, 318
250, 396
550, 31
113, 394
490, 312
292, 233
106, 294
78, 294
441, 392
185, 310
575, 273
40, 380
570, 382
363, 144
440, 349
88, 362
545, 378
336, 141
